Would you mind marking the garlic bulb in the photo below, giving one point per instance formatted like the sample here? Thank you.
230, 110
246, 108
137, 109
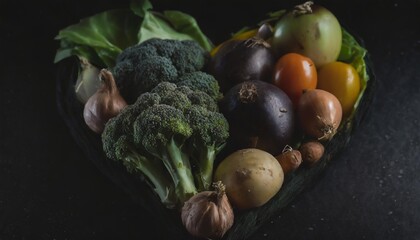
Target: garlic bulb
208, 214
104, 104
87, 80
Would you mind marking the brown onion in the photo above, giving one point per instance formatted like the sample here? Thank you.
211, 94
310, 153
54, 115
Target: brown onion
319, 114
104, 104
208, 214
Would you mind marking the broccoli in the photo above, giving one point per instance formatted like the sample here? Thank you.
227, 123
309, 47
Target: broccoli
162, 130
141, 67
202, 99
170, 136
210, 131
118, 144
201, 81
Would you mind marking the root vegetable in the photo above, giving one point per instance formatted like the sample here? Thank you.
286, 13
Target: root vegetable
289, 159
252, 177
319, 114
243, 60
312, 152
260, 115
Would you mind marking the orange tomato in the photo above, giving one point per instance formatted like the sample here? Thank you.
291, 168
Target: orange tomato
293, 74
342, 80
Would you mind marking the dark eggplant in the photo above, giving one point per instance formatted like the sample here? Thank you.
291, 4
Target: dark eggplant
260, 115
242, 60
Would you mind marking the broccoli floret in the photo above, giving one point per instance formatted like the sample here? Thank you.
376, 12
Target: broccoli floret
140, 68
136, 53
118, 145
210, 132
111, 134
152, 70
163, 130
160, 133
170, 95
201, 81
131, 112
202, 99
164, 88
189, 57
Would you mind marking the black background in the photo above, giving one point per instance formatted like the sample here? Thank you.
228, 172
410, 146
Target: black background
50, 190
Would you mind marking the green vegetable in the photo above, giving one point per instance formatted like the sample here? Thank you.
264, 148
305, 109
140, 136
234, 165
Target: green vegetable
201, 81
310, 30
141, 67
208, 139
169, 139
100, 38
172, 25
354, 54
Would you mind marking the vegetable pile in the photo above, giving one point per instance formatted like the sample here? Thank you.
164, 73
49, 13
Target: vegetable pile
216, 131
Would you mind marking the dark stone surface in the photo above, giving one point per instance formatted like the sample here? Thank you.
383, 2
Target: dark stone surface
50, 190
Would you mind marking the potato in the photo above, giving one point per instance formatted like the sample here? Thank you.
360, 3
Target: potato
251, 176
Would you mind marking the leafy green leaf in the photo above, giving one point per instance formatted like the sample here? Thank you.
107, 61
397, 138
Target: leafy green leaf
186, 24
141, 7
155, 26
102, 37
106, 33
172, 25
353, 53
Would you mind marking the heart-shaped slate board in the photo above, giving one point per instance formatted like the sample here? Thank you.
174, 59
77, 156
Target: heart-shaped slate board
246, 222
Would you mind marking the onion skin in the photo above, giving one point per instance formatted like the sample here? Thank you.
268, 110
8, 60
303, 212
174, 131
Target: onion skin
208, 214
104, 104
319, 114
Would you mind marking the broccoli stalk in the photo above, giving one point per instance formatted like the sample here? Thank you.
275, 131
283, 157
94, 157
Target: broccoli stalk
162, 130
210, 131
179, 166
205, 160
150, 167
